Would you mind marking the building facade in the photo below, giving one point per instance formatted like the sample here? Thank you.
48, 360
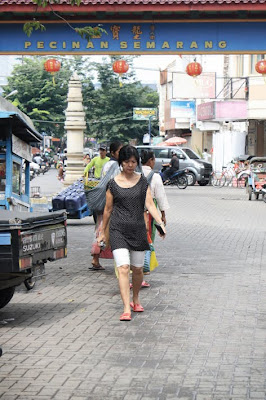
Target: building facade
226, 106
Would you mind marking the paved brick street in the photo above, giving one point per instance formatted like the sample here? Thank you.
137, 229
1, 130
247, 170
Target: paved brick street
201, 337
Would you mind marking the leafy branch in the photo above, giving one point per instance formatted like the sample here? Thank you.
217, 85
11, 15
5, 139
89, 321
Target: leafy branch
28, 27
87, 32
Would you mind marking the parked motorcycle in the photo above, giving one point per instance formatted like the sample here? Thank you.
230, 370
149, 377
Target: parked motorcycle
178, 179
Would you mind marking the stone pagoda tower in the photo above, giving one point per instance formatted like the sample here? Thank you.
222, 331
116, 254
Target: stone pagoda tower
75, 125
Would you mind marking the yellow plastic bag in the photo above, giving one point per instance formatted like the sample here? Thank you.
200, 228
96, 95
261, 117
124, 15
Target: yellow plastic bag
153, 261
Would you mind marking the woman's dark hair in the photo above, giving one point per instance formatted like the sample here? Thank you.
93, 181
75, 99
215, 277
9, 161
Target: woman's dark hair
114, 146
127, 152
146, 155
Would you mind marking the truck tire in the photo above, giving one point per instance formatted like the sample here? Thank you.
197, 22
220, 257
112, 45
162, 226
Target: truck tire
6, 295
29, 283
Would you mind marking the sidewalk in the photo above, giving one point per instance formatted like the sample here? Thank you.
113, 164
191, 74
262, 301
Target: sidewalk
49, 186
201, 337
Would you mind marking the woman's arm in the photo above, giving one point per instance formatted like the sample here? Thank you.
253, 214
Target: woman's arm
160, 195
106, 215
153, 210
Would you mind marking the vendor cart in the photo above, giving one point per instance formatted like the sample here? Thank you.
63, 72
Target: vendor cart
257, 178
27, 240
16, 134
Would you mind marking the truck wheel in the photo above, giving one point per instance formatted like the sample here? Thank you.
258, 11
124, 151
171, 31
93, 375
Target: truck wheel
264, 197
6, 295
191, 178
29, 283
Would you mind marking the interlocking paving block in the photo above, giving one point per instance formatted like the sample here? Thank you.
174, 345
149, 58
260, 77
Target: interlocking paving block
201, 337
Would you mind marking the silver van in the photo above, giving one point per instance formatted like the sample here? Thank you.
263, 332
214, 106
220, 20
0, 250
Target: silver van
199, 170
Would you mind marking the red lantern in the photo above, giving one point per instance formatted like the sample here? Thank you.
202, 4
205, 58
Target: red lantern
260, 67
120, 67
52, 65
194, 69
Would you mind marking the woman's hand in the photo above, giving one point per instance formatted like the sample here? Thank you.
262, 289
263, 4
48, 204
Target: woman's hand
164, 229
163, 217
101, 238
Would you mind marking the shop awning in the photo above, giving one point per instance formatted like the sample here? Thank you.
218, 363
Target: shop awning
22, 126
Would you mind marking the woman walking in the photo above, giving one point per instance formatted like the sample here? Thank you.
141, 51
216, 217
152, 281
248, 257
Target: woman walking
113, 168
159, 198
126, 198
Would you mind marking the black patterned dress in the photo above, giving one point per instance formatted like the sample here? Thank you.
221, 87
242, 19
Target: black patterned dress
127, 225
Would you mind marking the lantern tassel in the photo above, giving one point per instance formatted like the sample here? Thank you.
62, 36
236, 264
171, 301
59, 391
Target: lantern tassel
120, 80
53, 81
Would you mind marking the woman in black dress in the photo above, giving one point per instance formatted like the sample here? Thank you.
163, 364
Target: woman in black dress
126, 198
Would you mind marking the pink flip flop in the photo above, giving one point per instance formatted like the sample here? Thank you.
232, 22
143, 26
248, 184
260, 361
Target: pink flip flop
125, 317
145, 284
136, 307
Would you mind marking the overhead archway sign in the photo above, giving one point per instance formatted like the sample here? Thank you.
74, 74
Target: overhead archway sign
137, 27
145, 38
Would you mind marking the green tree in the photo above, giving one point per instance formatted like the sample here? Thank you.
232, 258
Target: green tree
38, 97
108, 108
110, 115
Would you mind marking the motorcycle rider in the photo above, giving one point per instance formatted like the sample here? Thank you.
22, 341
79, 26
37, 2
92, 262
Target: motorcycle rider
173, 166
37, 159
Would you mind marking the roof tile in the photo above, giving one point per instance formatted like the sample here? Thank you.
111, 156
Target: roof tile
128, 2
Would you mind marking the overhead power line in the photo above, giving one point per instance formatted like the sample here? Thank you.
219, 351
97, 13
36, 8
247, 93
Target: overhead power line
91, 122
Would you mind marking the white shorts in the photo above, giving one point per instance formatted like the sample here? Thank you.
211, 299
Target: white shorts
129, 257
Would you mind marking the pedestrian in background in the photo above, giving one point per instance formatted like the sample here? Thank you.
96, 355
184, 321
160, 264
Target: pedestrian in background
38, 159
114, 154
206, 156
98, 162
86, 160
159, 197
126, 197
112, 167
61, 171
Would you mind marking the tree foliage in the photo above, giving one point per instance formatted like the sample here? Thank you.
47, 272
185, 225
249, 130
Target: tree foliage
86, 32
108, 107
109, 114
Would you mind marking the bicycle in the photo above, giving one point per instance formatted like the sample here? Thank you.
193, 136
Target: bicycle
234, 176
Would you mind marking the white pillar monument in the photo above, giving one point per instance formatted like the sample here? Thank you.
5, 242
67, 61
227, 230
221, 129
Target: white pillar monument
75, 125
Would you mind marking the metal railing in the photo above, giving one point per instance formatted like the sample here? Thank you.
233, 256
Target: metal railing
233, 88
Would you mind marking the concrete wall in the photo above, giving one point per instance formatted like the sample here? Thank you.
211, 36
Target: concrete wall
227, 145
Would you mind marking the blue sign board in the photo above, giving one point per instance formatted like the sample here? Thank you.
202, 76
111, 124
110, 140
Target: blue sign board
183, 109
138, 38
